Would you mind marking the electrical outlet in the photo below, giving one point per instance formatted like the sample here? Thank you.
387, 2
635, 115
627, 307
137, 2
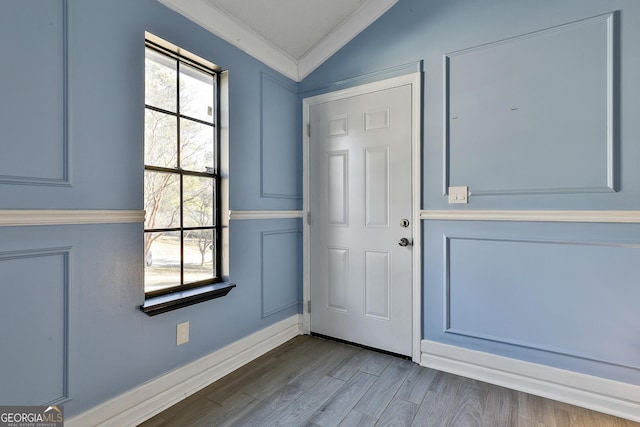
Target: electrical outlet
182, 333
458, 194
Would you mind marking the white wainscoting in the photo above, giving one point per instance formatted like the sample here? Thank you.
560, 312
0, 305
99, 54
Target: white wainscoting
143, 402
603, 395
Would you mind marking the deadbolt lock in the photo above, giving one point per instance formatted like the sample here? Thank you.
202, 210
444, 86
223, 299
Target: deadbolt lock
404, 222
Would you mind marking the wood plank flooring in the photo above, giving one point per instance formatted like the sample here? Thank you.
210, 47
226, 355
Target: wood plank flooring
311, 381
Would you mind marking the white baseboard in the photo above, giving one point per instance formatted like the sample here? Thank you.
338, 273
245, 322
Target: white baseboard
143, 402
599, 394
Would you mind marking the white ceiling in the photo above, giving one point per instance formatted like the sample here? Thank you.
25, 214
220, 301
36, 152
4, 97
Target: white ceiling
294, 26
292, 36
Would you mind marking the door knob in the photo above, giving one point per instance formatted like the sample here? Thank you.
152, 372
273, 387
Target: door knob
405, 242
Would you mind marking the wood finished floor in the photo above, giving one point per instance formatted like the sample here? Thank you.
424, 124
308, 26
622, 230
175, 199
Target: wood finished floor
311, 381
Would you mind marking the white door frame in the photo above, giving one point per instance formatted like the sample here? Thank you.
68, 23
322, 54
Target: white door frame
414, 80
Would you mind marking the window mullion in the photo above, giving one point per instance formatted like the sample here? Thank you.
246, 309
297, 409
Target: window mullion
178, 142
179, 160
217, 180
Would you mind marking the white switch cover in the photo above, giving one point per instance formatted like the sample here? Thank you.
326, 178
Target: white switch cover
183, 333
458, 194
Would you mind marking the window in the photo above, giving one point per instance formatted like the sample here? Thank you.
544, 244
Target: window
182, 184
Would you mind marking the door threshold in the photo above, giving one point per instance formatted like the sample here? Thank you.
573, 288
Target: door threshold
366, 347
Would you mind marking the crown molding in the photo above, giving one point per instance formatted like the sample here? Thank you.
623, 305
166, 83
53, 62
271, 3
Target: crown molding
364, 16
244, 38
233, 31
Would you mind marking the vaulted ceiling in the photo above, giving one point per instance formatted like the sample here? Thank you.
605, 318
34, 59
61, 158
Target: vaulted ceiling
292, 36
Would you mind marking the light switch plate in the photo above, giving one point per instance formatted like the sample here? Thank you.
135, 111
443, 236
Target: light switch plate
182, 333
459, 194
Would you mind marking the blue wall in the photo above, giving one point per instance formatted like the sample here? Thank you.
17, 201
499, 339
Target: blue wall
72, 125
72, 112
521, 117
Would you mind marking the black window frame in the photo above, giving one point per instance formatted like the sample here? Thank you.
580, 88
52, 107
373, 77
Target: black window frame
215, 175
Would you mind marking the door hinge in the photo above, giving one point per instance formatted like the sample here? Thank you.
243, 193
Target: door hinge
309, 307
308, 218
308, 130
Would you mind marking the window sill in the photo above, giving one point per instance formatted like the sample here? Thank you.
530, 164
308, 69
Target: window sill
174, 301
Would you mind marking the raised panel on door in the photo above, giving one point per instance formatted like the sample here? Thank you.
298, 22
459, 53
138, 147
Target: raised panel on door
338, 189
338, 267
376, 183
377, 284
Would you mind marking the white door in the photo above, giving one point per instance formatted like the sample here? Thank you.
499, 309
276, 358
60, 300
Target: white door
360, 191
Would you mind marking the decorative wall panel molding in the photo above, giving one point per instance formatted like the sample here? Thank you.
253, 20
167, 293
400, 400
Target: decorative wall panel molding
279, 276
253, 215
36, 155
34, 217
279, 148
527, 286
536, 116
533, 216
42, 338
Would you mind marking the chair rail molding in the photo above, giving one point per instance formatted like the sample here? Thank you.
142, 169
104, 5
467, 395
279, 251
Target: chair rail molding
271, 214
35, 217
601, 216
